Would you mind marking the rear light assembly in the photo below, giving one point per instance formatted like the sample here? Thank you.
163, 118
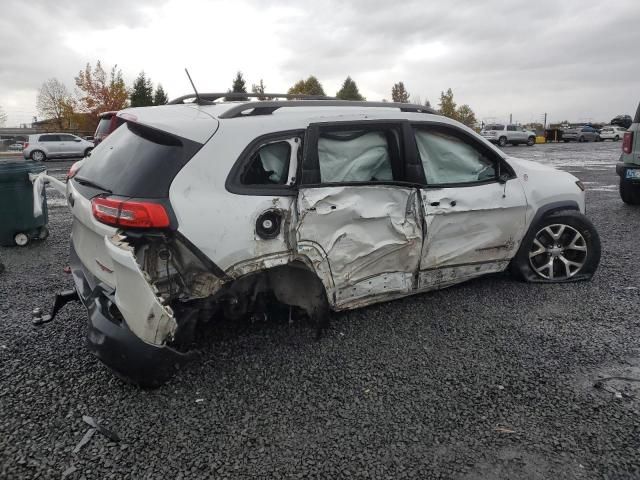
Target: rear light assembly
129, 213
627, 142
25, 145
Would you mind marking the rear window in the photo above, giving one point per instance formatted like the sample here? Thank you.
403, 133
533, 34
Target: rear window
103, 127
137, 161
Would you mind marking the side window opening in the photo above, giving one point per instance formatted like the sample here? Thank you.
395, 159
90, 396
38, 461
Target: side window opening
358, 155
449, 159
269, 165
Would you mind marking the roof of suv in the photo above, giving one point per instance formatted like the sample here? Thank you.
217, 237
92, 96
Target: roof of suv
199, 122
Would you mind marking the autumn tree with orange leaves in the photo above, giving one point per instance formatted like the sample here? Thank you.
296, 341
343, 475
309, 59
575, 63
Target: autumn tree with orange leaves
99, 91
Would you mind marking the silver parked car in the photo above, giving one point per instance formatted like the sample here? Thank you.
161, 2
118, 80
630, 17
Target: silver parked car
581, 134
42, 146
513, 134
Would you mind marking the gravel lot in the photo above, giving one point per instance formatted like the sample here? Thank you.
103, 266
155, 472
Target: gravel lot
490, 379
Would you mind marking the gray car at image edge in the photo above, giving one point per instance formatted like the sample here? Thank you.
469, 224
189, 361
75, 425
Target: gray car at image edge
43, 146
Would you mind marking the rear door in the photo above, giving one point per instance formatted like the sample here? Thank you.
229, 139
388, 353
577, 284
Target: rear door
51, 143
474, 221
356, 212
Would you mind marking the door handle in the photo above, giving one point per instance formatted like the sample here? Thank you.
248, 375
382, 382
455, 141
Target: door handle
435, 204
453, 203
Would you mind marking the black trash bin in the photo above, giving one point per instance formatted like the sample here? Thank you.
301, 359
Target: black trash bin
18, 225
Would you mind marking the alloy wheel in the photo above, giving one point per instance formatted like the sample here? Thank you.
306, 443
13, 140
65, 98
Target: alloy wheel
558, 252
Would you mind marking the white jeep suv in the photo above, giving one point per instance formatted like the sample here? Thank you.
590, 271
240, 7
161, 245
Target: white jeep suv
319, 205
508, 134
43, 146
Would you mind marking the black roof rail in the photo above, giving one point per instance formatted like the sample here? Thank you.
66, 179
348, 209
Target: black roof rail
268, 107
210, 98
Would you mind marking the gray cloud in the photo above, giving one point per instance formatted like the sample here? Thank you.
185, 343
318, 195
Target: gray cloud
574, 59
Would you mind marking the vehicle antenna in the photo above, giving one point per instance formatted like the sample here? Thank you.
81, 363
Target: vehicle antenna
198, 99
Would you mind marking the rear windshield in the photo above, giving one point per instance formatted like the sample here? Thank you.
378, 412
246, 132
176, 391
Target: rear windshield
494, 127
137, 161
103, 126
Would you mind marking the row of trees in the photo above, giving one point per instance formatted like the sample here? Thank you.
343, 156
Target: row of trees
349, 91
96, 91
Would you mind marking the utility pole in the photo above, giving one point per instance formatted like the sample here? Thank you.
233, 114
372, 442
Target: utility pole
511, 118
545, 120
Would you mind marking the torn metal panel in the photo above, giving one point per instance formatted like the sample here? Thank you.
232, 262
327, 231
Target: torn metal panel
363, 232
447, 276
136, 298
473, 224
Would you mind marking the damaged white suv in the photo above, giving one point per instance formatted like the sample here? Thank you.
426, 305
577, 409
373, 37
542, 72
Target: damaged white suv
320, 205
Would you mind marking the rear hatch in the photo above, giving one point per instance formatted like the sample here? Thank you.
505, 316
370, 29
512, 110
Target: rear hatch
631, 141
125, 182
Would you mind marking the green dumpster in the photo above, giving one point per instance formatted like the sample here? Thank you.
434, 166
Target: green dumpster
18, 224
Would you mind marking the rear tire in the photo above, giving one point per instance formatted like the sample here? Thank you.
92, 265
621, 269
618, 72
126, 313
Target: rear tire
38, 156
531, 141
617, 138
502, 141
563, 246
629, 192
581, 140
87, 151
566, 141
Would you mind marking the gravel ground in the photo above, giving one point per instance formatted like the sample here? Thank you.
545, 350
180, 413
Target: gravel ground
490, 379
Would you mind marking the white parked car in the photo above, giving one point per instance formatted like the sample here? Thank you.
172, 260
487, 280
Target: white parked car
44, 146
612, 132
194, 208
508, 134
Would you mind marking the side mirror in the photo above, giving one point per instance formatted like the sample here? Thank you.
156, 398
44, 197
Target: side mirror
504, 178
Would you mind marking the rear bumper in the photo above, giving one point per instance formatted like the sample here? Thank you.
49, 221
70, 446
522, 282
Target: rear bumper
112, 342
621, 170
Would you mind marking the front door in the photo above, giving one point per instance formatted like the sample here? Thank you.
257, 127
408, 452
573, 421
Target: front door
356, 214
474, 221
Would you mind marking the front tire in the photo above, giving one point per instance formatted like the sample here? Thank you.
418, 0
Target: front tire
616, 138
531, 141
88, 151
38, 156
629, 192
563, 246
502, 141
581, 140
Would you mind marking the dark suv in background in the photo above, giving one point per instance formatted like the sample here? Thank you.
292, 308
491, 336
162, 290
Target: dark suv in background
109, 121
629, 166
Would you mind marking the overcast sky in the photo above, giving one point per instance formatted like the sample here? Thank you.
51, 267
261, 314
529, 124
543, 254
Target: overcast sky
577, 60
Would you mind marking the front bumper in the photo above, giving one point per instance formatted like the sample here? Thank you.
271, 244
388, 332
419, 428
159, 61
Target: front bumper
110, 339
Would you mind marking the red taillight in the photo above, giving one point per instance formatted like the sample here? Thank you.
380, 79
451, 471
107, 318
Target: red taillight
74, 169
627, 142
129, 213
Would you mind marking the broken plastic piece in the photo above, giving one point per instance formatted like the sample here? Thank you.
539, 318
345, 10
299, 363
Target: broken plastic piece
103, 430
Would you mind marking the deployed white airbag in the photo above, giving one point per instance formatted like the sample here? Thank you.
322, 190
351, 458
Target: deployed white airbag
353, 157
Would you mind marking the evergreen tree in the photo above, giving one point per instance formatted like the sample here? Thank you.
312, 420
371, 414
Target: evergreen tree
349, 91
310, 86
427, 103
239, 86
465, 115
399, 94
447, 105
259, 90
160, 98
142, 91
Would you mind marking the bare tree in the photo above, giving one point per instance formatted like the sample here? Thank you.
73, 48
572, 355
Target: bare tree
55, 102
3, 117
